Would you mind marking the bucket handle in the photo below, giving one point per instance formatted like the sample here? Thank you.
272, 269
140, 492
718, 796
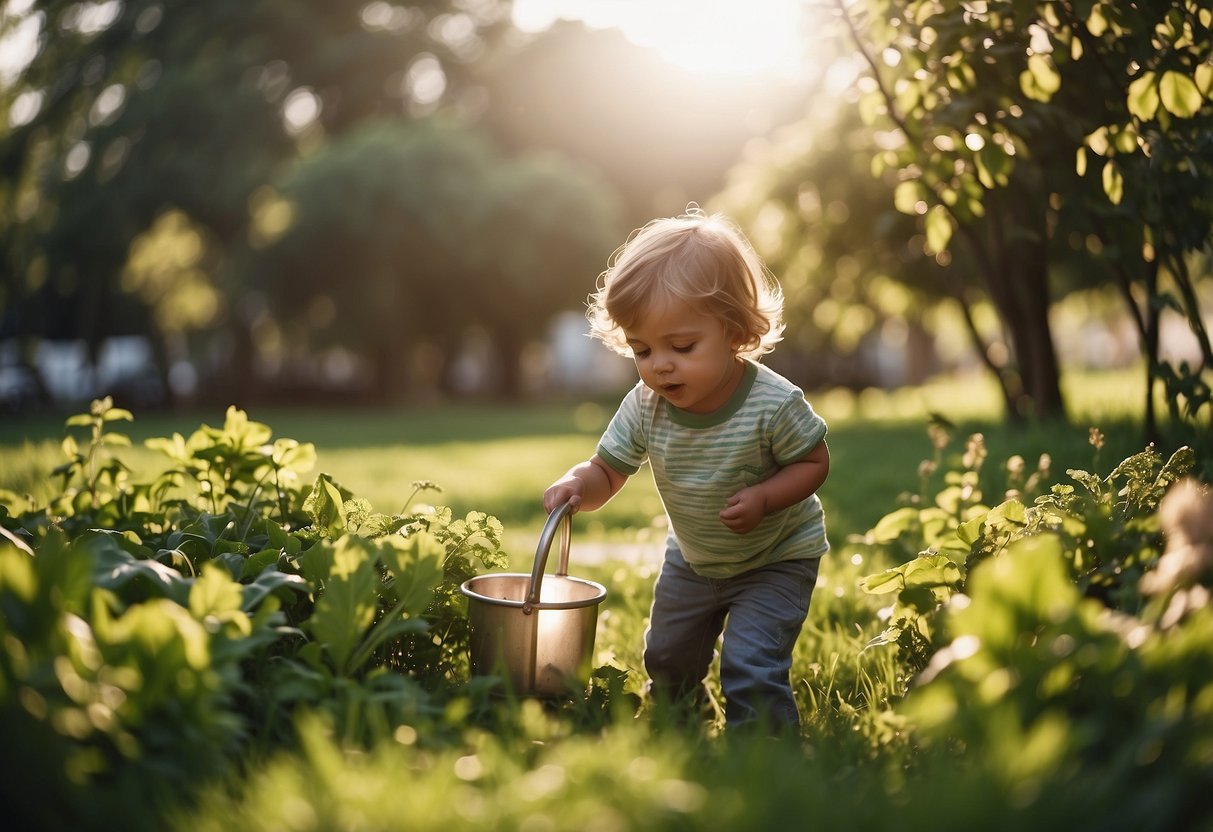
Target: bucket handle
560, 519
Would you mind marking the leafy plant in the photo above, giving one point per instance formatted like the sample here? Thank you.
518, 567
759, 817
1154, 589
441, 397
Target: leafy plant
166, 626
99, 696
1047, 692
1108, 528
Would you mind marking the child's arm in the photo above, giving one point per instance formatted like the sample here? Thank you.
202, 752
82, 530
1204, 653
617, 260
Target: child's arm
788, 486
587, 486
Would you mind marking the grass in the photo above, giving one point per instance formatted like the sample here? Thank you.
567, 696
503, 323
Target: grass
499, 458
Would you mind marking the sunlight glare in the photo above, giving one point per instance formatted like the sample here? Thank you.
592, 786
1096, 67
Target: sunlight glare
714, 37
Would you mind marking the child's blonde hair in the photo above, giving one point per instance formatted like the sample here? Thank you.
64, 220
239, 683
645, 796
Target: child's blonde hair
703, 260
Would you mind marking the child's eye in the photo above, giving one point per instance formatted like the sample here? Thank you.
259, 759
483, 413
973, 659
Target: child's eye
640, 353
687, 348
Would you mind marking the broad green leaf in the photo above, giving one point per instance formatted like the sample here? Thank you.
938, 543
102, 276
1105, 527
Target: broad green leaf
257, 563
268, 582
346, 609
1011, 511
204, 537
416, 567
1025, 587
162, 640
907, 196
1203, 76
1098, 141
324, 505
891, 526
291, 455
174, 448
113, 568
938, 228
1125, 139
214, 593
935, 525
970, 530
929, 571
1113, 183
1042, 69
1179, 94
993, 165
882, 583
242, 431
1143, 96
1096, 22
316, 564
216, 597
278, 537
17, 577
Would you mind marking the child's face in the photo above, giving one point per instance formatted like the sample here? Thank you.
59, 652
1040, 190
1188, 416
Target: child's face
687, 357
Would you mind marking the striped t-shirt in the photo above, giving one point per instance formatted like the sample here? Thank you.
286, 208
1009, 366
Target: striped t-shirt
701, 459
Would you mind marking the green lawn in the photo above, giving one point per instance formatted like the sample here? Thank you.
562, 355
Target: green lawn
860, 762
499, 458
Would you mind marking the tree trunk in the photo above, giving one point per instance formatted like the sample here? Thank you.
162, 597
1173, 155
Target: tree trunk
1030, 382
1033, 339
390, 370
1019, 286
1150, 342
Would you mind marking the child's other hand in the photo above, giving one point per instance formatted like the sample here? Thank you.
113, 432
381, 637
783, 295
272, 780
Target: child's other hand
744, 510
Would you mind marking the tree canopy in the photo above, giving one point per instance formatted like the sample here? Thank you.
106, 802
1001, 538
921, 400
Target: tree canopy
1039, 146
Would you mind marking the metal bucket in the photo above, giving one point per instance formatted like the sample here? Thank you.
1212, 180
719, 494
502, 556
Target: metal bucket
536, 633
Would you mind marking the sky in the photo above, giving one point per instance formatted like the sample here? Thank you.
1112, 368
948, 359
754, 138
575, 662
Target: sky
713, 37
737, 38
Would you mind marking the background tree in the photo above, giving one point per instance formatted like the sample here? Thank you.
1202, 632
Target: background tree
129, 110
371, 253
406, 234
547, 231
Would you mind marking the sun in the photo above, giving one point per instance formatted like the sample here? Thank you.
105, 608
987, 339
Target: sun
713, 37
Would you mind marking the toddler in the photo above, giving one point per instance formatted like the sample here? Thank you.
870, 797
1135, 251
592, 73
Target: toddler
736, 452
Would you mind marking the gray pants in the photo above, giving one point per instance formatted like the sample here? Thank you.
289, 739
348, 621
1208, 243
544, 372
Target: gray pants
760, 614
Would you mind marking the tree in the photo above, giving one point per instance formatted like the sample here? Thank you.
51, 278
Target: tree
131, 110
851, 266
548, 231
401, 234
994, 100
376, 245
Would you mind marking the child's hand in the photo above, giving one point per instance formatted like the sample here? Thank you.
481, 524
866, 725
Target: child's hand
569, 489
744, 510
586, 486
